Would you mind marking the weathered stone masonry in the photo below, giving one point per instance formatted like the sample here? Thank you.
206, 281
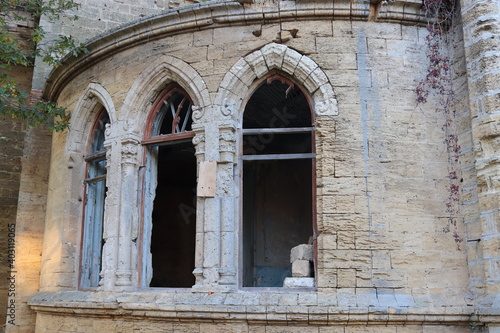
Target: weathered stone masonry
383, 259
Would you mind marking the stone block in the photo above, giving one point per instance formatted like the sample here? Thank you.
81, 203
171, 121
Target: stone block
301, 252
298, 282
301, 268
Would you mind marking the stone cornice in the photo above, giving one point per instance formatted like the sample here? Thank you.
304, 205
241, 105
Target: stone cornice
218, 13
200, 307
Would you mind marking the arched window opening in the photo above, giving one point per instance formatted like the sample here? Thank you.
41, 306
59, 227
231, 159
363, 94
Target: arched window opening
170, 211
278, 168
95, 195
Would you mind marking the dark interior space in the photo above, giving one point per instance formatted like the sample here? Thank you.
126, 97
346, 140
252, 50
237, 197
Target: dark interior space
174, 217
277, 181
277, 214
277, 105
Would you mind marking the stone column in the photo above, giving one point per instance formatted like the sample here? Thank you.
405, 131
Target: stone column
111, 208
208, 223
225, 170
481, 26
24, 277
215, 230
199, 144
126, 270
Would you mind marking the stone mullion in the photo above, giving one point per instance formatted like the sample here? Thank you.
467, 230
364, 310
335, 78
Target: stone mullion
127, 220
211, 219
111, 208
478, 17
199, 143
225, 171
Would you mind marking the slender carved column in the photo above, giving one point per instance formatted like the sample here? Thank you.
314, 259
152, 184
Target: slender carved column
127, 229
199, 144
109, 238
226, 190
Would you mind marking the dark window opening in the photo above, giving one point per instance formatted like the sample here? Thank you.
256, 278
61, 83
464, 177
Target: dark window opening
277, 214
174, 217
171, 184
278, 167
95, 195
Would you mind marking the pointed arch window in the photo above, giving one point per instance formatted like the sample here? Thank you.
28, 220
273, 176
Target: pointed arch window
170, 193
95, 195
278, 172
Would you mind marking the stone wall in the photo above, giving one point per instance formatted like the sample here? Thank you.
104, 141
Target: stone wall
11, 148
481, 26
85, 325
12, 132
94, 18
389, 252
30, 220
384, 253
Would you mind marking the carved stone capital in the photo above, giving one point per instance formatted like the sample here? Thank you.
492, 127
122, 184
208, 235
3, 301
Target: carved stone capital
227, 144
199, 143
197, 112
129, 151
228, 108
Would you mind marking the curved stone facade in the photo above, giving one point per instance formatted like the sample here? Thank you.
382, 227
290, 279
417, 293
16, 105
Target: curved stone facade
385, 259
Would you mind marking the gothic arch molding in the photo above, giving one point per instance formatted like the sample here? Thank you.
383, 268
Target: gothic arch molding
236, 84
154, 79
94, 97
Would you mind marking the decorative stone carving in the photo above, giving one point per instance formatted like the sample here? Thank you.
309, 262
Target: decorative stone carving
89, 101
197, 112
129, 152
227, 107
227, 145
123, 278
199, 144
325, 102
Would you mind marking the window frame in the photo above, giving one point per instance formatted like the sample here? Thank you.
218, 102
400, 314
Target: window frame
86, 261
275, 75
150, 141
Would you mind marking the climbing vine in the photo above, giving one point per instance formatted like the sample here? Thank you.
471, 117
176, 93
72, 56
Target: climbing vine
438, 81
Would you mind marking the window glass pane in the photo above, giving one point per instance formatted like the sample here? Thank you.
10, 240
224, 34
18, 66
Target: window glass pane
94, 215
96, 168
94, 208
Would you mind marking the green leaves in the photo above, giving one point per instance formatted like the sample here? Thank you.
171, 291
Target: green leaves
16, 103
18, 49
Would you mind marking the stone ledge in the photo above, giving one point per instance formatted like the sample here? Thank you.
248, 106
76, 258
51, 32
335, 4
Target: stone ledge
168, 307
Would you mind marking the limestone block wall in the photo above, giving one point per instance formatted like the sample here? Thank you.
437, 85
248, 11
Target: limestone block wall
30, 220
383, 253
481, 32
12, 133
11, 147
94, 18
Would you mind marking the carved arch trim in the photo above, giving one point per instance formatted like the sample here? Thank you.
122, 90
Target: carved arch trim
154, 79
237, 83
94, 97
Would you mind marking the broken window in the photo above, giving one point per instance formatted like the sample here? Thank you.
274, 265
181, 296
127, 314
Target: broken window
95, 194
170, 187
278, 167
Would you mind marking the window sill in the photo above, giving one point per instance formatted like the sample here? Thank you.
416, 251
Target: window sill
282, 308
